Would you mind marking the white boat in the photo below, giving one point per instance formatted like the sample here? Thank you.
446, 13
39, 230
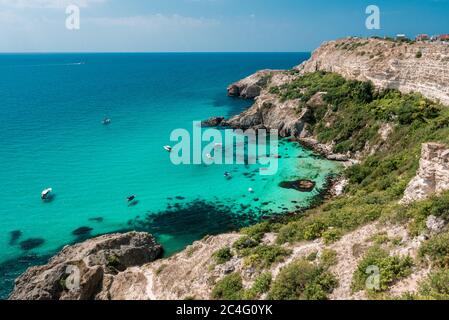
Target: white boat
168, 148
106, 121
250, 190
46, 193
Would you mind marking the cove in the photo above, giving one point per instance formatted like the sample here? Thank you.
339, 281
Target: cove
51, 137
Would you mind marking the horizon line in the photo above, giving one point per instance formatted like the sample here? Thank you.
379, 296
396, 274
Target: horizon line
143, 52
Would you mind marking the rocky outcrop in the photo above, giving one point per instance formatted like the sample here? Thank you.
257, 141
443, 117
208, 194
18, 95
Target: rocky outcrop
250, 87
433, 173
299, 185
387, 64
89, 270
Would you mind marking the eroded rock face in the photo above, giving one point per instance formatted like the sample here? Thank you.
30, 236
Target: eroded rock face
433, 173
387, 64
87, 270
250, 87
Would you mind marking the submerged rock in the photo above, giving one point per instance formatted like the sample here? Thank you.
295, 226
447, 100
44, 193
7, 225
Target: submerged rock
300, 185
86, 270
82, 231
32, 243
14, 237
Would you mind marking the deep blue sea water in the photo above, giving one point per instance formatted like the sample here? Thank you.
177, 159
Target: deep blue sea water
51, 135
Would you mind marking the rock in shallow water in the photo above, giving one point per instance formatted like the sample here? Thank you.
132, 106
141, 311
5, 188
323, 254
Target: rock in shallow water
32, 243
82, 231
14, 237
81, 271
300, 185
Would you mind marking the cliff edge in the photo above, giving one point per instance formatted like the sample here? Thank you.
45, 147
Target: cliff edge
409, 67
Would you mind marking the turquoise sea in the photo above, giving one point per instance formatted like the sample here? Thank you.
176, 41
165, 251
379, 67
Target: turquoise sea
51, 135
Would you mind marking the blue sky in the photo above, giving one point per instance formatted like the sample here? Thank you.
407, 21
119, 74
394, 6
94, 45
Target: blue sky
207, 25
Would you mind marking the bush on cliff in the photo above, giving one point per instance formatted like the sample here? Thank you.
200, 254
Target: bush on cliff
391, 269
436, 285
301, 280
228, 288
223, 255
437, 250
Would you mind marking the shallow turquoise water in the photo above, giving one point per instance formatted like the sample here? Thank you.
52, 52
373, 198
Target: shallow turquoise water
51, 135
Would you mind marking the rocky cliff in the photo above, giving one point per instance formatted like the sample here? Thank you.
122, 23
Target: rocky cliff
433, 173
418, 67
99, 268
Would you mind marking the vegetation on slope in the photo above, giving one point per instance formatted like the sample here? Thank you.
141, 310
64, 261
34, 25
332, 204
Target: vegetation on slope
352, 117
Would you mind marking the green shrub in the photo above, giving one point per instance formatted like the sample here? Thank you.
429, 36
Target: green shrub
263, 256
257, 231
418, 55
332, 235
228, 288
223, 255
436, 286
261, 285
245, 242
437, 250
301, 280
391, 269
328, 258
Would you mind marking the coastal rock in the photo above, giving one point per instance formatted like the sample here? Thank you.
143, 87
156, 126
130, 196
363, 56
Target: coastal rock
270, 113
325, 150
212, 122
250, 87
387, 64
299, 185
77, 272
433, 173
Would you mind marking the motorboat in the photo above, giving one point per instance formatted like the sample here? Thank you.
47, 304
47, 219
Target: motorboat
131, 198
46, 194
106, 121
168, 148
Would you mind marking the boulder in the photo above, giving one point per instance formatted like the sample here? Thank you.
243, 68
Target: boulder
78, 271
212, 122
299, 185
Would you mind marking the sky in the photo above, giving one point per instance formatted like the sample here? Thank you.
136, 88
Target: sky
207, 25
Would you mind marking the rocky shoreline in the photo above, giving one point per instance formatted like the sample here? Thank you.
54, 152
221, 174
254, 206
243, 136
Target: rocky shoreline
126, 266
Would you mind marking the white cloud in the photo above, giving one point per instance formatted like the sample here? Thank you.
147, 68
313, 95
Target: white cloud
48, 3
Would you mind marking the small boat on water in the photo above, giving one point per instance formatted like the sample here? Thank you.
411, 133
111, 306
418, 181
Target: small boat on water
250, 190
168, 148
106, 121
131, 198
46, 194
